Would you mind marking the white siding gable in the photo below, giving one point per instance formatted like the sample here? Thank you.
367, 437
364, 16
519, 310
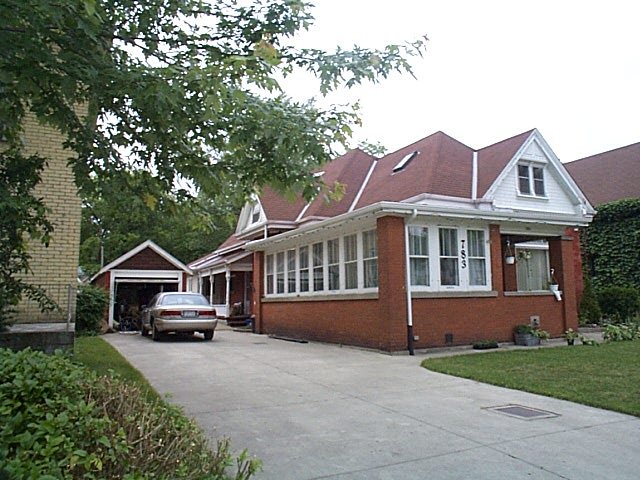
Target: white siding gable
251, 215
561, 195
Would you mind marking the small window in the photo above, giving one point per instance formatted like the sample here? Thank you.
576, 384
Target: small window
477, 258
304, 269
291, 271
370, 258
531, 180
269, 274
255, 213
318, 267
280, 272
419, 255
532, 269
333, 262
405, 161
351, 261
449, 275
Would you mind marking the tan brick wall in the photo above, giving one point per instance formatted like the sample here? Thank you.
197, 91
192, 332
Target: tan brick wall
54, 267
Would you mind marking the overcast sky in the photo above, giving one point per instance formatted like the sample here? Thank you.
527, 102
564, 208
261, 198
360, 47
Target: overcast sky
494, 69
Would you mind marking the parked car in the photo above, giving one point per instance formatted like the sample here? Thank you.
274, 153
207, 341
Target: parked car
184, 312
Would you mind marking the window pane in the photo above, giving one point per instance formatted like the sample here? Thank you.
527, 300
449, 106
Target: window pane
291, 271
477, 271
532, 270
270, 275
318, 261
523, 179
333, 251
334, 277
351, 275
280, 272
418, 241
303, 259
369, 244
420, 271
370, 273
350, 248
538, 181
449, 271
448, 242
476, 243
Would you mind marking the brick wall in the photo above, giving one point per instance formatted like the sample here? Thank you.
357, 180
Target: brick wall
381, 322
56, 266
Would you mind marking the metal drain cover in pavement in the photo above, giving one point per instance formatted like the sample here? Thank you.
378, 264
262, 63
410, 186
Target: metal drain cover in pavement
524, 413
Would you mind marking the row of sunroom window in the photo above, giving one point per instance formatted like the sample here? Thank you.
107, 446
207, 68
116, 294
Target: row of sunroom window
440, 258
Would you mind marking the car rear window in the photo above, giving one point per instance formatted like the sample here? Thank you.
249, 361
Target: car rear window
184, 300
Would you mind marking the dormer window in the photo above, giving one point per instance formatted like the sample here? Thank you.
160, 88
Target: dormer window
531, 180
255, 213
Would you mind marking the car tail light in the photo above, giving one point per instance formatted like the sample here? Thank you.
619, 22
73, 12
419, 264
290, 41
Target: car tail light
208, 313
172, 313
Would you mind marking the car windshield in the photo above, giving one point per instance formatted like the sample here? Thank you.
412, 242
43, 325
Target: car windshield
183, 299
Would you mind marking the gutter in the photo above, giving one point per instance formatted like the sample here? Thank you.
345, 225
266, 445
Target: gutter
406, 209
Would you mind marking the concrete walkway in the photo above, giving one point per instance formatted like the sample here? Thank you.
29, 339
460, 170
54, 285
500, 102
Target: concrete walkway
314, 411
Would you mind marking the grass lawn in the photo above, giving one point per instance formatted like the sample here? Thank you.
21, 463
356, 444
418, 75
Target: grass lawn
100, 356
605, 376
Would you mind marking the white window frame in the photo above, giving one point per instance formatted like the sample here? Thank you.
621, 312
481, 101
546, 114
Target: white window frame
531, 180
463, 267
359, 261
419, 257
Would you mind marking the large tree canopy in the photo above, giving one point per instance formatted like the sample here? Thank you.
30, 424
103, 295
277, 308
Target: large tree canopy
181, 88
187, 90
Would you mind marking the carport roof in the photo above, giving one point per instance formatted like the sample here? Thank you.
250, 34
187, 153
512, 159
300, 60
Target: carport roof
133, 252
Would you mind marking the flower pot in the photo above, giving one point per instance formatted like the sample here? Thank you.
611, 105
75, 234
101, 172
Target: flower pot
570, 341
526, 339
553, 287
510, 260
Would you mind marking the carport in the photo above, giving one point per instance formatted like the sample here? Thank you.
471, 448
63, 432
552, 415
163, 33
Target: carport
133, 278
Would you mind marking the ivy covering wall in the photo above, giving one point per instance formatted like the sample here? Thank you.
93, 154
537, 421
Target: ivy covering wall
611, 245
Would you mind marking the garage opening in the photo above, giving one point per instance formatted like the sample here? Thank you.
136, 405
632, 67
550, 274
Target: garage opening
131, 296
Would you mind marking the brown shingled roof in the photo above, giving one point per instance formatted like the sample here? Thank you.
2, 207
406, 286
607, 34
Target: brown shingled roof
493, 159
277, 207
442, 166
608, 176
350, 170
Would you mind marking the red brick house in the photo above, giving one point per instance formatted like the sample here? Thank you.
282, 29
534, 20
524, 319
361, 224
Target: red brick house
415, 253
136, 276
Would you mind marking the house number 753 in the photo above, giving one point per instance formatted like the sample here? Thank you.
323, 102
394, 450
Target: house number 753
463, 255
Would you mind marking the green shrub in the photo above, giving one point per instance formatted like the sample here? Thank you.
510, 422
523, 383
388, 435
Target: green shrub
91, 305
485, 345
62, 421
621, 332
590, 312
619, 304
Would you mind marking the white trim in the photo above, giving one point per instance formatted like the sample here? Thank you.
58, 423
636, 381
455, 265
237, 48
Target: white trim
400, 208
362, 187
134, 251
474, 176
303, 211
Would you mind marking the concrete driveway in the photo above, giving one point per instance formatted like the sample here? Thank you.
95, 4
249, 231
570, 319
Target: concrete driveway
312, 411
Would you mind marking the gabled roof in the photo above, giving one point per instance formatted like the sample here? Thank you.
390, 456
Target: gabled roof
135, 251
493, 159
442, 166
609, 176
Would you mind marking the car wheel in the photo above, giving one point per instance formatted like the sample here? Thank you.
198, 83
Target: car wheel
208, 334
155, 333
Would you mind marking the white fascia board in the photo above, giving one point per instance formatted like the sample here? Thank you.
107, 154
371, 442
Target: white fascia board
363, 186
134, 251
407, 209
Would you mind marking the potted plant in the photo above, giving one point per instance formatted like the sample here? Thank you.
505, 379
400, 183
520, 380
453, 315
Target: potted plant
570, 336
509, 257
529, 336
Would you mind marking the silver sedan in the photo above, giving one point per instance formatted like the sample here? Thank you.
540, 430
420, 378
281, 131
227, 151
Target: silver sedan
185, 312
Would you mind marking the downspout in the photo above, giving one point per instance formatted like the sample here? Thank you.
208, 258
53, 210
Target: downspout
227, 299
407, 260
